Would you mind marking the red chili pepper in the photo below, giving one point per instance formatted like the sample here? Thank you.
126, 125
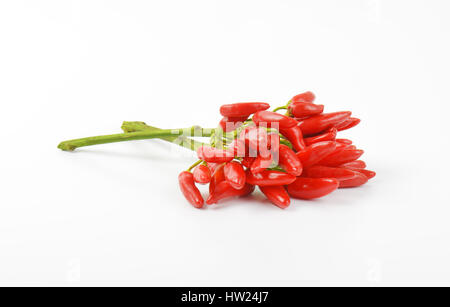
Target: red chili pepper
202, 174
274, 142
348, 123
340, 147
357, 165
289, 161
242, 109
269, 178
295, 136
367, 173
261, 163
256, 139
235, 175
304, 97
329, 172
190, 191
330, 135
358, 180
341, 157
277, 195
247, 190
229, 124
319, 123
251, 151
233, 147
344, 141
274, 147
305, 109
213, 167
247, 161
225, 190
315, 152
217, 177
240, 149
214, 155
273, 120
310, 188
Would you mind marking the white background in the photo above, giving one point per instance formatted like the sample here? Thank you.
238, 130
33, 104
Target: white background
113, 214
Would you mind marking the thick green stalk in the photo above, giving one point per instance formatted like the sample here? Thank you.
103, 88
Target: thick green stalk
71, 145
128, 127
182, 141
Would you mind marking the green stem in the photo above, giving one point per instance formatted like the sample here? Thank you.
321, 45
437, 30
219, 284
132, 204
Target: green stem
280, 108
194, 165
286, 142
185, 142
285, 107
71, 145
128, 127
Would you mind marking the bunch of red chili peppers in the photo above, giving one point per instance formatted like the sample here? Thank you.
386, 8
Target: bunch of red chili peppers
296, 154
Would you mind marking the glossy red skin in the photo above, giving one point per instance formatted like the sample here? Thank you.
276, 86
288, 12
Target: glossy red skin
305, 109
233, 147
213, 167
319, 123
202, 174
235, 175
190, 191
304, 97
289, 161
248, 161
229, 124
340, 147
260, 164
239, 148
214, 155
274, 147
357, 181
348, 123
311, 188
242, 109
274, 142
367, 173
343, 156
329, 135
315, 152
273, 120
224, 190
245, 151
295, 136
269, 178
217, 177
277, 195
247, 190
357, 165
257, 141
344, 141
329, 172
